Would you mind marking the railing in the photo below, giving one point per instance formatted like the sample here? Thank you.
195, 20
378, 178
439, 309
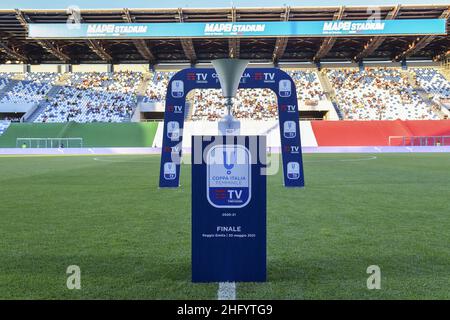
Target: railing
151, 120
49, 143
422, 141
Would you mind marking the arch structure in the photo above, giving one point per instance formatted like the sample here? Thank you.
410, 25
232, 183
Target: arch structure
253, 78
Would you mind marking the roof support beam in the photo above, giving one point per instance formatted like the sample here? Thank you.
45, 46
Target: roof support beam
52, 48
281, 43
233, 43
375, 42
12, 52
140, 44
328, 42
49, 46
99, 49
420, 43
186, 43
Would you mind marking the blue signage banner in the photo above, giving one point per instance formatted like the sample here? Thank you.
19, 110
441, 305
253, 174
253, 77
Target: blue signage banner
205, 78
228, 208
238, 29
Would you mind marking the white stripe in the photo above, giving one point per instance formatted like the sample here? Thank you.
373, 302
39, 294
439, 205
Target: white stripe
227, 291
343, 160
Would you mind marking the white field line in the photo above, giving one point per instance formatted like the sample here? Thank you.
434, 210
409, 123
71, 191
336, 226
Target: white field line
227, 291
361, 159
343, 160
118, 161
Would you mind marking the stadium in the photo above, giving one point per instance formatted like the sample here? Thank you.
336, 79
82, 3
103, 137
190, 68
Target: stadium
84, 96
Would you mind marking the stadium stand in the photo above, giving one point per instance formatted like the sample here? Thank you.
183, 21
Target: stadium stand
82, 105
308, 85
42, 77
369, 94
433, 82
91, 97
4, 80
4, 124
156, 90
125, 82
27, 91
256, 104
377, 94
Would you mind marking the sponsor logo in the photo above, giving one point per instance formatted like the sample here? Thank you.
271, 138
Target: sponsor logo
116, 29
228, 176
259, 76
175, 109
288, 108
291, 149
201, 78
269, 77
293, 170
336, 27
190, 76
173, 150
232, 28
170, 171
289, 129
177, 89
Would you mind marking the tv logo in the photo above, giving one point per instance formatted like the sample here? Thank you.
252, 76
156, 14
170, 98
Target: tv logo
175, 149
177, 88
175, 109
284, 88
228, 179
293, 170
289, 108
173, 130
170, 171
190, 76
258, 76
269, 77
202, 77
289, 129
291, 149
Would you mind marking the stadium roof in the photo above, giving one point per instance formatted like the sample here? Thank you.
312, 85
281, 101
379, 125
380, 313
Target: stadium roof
14, 45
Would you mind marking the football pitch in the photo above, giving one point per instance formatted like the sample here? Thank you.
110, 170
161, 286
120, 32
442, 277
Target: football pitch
131, 240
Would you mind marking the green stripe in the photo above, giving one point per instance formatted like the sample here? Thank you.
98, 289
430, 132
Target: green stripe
93, 134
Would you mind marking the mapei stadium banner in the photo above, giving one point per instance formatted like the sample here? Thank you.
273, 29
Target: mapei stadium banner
238, 29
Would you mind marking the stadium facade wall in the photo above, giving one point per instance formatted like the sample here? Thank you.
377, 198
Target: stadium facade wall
14, 68
270, 128
45, 68
149, 134
91, 67
93, 134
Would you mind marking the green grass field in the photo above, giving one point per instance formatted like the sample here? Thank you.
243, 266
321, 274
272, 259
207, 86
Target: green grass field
132, 240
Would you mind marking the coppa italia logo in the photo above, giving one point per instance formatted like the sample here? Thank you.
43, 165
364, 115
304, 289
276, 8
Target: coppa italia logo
228, 179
